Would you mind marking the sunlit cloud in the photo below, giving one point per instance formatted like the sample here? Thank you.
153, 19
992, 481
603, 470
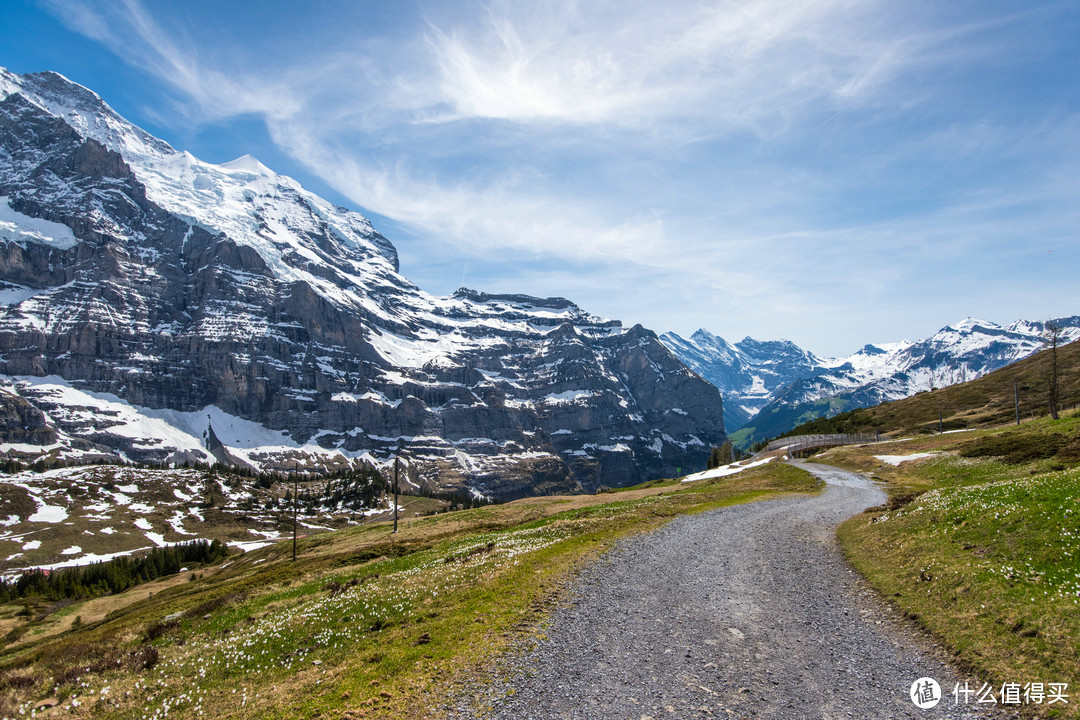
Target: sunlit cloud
742, 64
129, 29
743, 164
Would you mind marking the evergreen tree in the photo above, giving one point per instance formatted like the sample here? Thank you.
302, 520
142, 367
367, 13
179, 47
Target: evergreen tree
723, 455
112, 576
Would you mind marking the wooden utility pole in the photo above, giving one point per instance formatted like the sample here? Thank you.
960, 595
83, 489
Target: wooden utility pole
295, 500
1016, 400
397, 463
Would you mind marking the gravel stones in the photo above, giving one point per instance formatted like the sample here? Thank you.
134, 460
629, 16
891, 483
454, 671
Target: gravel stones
747, 612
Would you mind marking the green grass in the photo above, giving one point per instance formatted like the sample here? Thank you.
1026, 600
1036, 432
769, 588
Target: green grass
1058, 441
986, 553
366, 624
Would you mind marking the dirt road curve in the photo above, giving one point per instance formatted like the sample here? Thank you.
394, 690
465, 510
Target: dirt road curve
745, 612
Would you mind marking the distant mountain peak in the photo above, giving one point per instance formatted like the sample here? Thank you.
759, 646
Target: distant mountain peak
248, 164
970, 324
703, 334
779, 382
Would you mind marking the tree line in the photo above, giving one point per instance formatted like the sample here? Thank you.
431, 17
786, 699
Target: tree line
112, 576
724, 455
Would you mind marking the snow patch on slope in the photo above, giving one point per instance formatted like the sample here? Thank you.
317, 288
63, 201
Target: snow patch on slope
725, 470
173, 430
896, 460
18, 228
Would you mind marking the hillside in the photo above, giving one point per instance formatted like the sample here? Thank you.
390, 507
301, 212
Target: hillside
985, 402
368, 623
977, 542
771, 387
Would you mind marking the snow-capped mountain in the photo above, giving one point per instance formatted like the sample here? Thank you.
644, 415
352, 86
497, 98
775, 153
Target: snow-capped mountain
748, 373
163, 308
778, 386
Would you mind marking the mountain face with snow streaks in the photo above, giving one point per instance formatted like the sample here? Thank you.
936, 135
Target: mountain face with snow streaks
779, 386
151, 302
748, 373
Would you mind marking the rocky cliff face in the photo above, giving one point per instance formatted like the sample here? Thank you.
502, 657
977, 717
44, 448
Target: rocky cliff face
150, 301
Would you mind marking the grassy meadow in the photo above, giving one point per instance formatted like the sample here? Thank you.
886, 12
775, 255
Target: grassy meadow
980, 544
365, 624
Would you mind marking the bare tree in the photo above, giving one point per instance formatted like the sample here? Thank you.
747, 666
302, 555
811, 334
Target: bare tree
1052, 333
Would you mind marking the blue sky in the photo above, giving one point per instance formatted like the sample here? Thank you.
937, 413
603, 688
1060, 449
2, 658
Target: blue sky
828, 171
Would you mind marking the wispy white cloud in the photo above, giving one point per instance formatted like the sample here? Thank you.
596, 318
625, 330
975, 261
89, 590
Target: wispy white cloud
745, 64
750, 159
128, 28
628, 63
477, 220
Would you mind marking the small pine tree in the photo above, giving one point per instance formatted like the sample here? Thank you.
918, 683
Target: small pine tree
714, 456
723, 455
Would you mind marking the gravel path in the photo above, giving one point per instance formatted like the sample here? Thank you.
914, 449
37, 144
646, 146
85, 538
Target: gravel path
745, 612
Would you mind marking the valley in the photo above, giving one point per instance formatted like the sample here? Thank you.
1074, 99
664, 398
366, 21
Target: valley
444, 618
366, 623
84, 514
771, 387
195, 351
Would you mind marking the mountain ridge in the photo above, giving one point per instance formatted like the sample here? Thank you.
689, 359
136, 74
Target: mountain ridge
996, 398
170, 296
785, 386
